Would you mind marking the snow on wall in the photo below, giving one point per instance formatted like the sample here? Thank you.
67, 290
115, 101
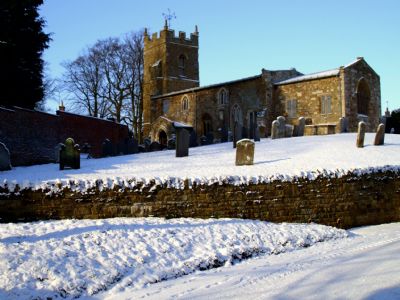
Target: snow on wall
285, 160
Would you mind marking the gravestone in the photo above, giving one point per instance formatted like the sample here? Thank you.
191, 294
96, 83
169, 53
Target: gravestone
171, 143
5, 162
57, 152
131, 146
343, 123
224, 135
146, 143
380, 135
289, 130
203, 140
193, 139
70, 155
245, 152
281, 127
257, 134
361, 134
210, 138
182, 142
107, 148
392, 130
275, 130
155, 146
86, 148
300, 127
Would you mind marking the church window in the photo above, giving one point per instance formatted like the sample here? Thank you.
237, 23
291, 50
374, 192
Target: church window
326, 105
181, 65
237, 116
222, 97
363, 97
291, 108
185, 103
165, 106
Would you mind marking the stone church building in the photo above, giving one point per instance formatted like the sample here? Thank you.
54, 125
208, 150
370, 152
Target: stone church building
172, 93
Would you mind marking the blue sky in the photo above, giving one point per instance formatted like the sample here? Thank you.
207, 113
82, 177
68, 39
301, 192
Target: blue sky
239, 38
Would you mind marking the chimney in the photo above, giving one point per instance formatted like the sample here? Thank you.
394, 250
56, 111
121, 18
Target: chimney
61, 107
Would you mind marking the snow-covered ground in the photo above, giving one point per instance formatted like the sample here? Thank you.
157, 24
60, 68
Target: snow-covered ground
332, 155
364, 266
73, 258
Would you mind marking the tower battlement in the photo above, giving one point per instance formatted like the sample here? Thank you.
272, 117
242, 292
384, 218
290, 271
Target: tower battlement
168, 35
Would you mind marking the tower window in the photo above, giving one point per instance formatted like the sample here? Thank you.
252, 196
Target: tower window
185, 103
181, 65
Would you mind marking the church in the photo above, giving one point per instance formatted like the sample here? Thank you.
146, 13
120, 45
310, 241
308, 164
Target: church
172, 93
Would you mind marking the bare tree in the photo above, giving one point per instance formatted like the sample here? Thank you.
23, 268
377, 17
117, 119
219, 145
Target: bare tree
115, 69
84, 80
107, 80
134, 80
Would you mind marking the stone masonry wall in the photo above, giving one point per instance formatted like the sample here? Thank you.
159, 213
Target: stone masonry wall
308, 95
352, 76
248, 94
348, 201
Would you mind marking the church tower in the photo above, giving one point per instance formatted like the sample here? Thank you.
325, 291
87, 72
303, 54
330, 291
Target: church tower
170, 64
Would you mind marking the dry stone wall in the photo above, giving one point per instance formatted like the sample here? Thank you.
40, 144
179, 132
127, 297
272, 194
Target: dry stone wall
347, 201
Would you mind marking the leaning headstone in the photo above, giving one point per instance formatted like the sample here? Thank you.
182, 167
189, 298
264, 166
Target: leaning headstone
182, 142
380, 135
245, 152
281, 126
107, 149
300, 127
361, 134
289, 130
70, 155
275, 130
5, 162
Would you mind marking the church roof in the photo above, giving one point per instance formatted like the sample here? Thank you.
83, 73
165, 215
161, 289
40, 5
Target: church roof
318, 75
204, 87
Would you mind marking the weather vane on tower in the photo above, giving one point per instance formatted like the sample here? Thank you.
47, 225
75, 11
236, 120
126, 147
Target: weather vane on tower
168, 17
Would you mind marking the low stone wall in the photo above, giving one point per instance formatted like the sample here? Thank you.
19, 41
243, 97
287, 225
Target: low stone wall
348, 201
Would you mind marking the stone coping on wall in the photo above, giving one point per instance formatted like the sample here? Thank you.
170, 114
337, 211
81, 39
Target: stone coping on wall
355, 199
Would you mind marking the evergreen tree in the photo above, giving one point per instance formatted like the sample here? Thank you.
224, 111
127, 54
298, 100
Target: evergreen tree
22, 42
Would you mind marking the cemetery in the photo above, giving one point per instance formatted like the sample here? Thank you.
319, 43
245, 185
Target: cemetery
326, 179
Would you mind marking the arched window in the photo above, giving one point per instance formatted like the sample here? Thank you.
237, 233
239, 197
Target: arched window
185, 103
181, 64
236, 115
363, 97
222, 97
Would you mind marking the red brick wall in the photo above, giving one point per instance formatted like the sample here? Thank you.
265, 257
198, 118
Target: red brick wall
32, 136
